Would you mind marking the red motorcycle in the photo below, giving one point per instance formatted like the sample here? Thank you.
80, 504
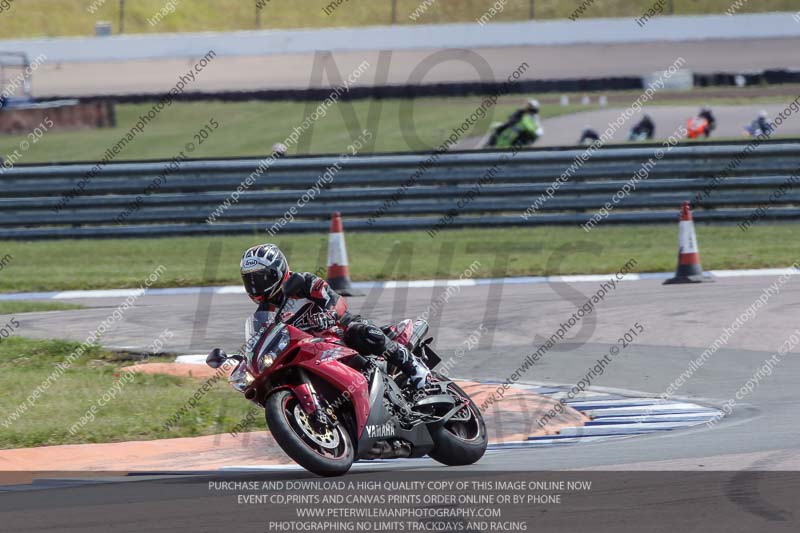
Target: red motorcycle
327, 405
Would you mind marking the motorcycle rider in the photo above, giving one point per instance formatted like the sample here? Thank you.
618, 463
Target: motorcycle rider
644, 129
265, 271
761, 125
706, 113
588, 136
522, 127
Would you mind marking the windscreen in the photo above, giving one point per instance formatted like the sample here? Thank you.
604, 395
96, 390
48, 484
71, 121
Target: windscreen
252, 328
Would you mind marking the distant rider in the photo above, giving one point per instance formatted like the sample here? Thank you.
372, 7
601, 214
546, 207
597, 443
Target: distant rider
588, 136
265, 272
645, 129
522, 128
702, 124
705, 113
761, 125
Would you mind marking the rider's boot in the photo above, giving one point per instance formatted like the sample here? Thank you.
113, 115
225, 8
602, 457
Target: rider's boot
417, 372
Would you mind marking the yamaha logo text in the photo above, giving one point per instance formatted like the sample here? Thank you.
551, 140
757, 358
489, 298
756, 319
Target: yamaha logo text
385, 430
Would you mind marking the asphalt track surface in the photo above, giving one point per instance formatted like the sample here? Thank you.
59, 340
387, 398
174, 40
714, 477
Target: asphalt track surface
293, 71
762, 433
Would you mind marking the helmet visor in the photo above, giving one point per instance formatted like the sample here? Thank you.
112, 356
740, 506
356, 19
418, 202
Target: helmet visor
261, 283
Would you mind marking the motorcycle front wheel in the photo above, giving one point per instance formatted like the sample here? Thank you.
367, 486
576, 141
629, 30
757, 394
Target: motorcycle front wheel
323, 450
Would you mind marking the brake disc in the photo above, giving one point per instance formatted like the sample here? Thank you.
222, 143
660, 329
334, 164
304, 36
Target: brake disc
328, 440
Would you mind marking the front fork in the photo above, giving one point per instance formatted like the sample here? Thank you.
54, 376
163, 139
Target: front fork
309, 400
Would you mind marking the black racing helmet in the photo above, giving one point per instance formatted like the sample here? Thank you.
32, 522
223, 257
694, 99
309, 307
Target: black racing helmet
264, 270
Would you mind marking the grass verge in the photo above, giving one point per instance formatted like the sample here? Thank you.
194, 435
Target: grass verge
103, 264
13, 307
137, 411
249, 129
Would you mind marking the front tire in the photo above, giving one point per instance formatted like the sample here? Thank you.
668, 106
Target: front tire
463, 439
323, 451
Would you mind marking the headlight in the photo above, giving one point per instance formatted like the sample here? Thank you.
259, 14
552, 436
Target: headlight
240, 378
265, 361
274, 345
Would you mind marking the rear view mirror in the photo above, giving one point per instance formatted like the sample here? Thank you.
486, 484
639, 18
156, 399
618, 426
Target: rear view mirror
216, 358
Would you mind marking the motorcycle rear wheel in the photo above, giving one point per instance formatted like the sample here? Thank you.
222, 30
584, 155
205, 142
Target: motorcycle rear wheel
460, 441
328, 453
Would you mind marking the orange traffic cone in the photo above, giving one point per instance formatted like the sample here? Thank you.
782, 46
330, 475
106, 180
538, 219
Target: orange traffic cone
689, 269
338, 272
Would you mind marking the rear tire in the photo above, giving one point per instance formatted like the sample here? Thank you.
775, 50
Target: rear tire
460, 442
325, 454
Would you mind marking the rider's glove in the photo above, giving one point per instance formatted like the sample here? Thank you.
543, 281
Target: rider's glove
321, 321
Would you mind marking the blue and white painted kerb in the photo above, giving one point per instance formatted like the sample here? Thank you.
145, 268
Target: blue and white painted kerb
615, 416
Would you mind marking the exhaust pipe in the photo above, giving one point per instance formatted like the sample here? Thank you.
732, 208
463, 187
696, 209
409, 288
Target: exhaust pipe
386, 450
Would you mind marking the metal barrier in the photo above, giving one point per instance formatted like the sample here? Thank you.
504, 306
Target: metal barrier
726, 181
